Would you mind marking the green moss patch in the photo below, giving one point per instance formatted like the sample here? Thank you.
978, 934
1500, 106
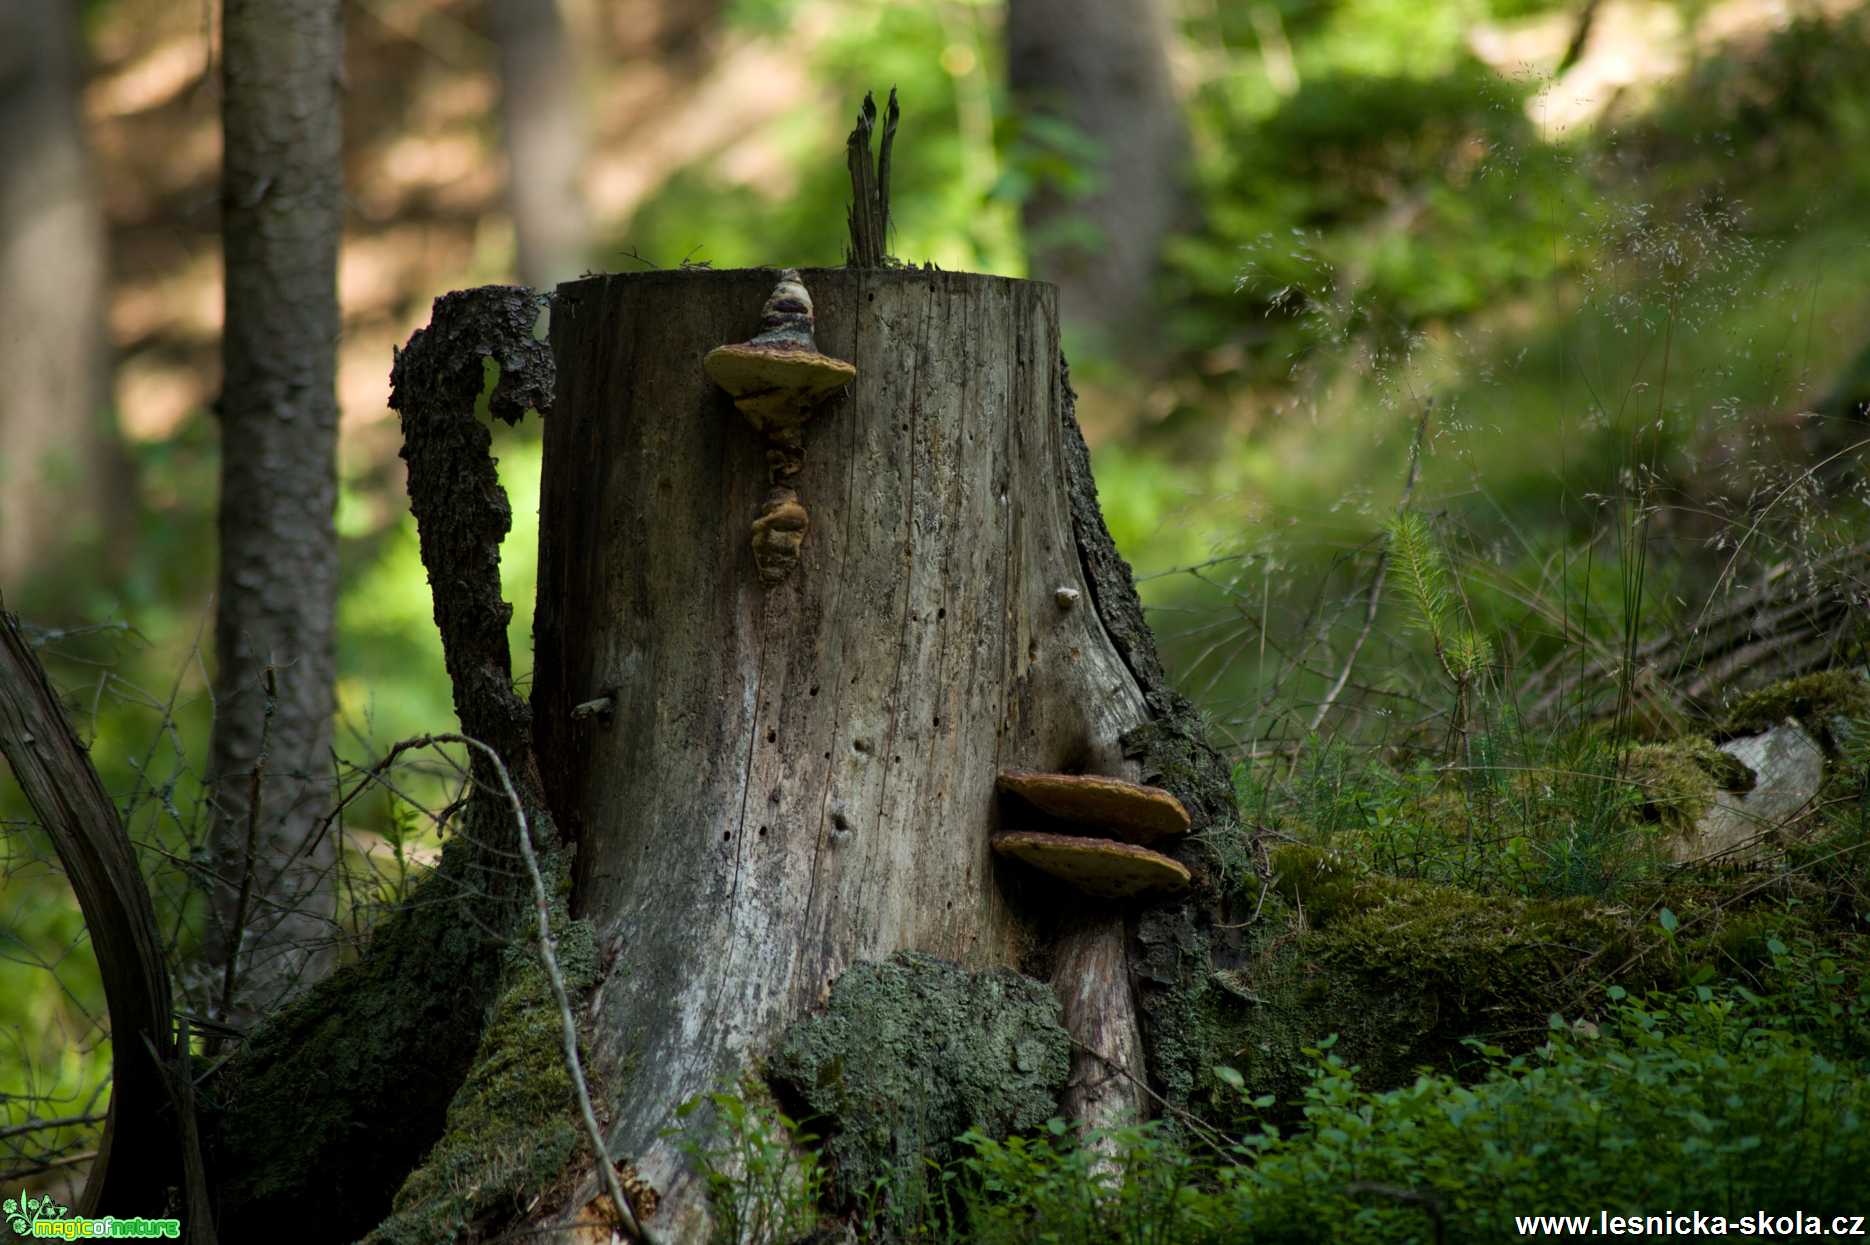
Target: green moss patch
913, 1051
512, 1128
1678, 781
1400, 971
1815, 701
337, 1097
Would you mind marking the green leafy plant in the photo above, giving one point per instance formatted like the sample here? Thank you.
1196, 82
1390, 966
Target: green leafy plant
762, 1178
1422, 571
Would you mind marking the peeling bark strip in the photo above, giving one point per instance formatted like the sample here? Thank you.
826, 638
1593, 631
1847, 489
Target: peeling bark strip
799, 778
461, 511
340, 1096
70, 803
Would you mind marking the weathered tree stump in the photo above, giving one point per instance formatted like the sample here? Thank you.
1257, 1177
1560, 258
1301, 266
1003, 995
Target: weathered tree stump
791, 779
771, 769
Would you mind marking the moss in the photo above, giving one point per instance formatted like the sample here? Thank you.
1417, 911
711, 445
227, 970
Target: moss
512, 1128
317, 1121
1678, 781
913, 1051
1815, 701
1400, 971
1171, 962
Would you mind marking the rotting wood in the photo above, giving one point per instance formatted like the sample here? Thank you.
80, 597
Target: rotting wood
870, 186
1799, 618
797, 778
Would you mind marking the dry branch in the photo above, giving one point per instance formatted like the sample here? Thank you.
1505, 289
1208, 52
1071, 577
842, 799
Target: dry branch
1800, 618
70, 801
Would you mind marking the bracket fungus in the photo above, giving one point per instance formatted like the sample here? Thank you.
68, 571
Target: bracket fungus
1101, 867
1108, 857
777, 380
1128, 811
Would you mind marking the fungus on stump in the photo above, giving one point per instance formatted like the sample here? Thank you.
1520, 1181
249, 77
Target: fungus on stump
798, 772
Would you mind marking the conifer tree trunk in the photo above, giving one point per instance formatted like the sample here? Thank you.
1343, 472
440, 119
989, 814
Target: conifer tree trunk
62, 475
270, 921
1101, 67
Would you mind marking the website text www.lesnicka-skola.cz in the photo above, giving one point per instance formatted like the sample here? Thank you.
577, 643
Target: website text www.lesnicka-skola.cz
1763, 1225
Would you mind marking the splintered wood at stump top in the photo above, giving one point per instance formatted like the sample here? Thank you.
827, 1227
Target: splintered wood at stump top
798, 777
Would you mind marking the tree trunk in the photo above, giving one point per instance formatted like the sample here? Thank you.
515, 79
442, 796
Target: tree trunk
270, 924
765, 786
796, 778
1102, 68
543, 119
61, 474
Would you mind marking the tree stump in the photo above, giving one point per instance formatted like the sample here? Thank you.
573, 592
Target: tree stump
783, 781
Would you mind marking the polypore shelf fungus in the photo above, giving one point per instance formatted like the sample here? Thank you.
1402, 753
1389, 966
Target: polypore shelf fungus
778, 379
1107, 859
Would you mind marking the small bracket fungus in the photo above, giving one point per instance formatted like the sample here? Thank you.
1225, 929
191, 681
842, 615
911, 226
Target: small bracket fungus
1066, 598
598, 708
777, 534
1112, 807
1095, 866
777, 380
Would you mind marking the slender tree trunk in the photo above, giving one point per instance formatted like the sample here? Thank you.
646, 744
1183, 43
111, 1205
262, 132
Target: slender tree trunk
271, 894
61, 475
1102, 68
543, 116
796, 778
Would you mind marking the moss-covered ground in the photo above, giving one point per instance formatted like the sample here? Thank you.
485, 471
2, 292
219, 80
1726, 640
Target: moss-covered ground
1411, 915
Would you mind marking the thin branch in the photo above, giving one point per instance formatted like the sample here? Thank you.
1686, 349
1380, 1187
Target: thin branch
36, 1126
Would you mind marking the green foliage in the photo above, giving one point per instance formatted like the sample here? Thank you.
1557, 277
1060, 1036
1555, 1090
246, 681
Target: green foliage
763, 1182
1423, 573
1701, 1099
1535, 816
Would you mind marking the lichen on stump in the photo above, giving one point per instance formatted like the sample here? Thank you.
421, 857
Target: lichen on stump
913, 1051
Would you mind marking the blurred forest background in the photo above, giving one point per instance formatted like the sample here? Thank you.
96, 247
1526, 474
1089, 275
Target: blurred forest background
1604, 263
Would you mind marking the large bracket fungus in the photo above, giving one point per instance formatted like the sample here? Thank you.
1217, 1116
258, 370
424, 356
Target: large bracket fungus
1108, 858
777, 379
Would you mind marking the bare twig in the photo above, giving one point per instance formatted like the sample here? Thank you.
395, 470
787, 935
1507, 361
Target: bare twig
40, 1169
37, 1126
